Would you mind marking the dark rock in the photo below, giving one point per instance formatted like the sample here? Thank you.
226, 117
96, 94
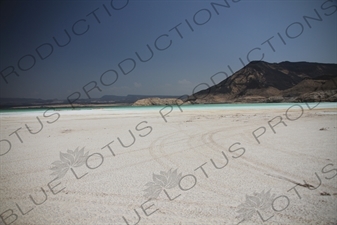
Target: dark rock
274, 82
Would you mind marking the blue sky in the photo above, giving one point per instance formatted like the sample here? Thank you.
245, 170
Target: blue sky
117, 29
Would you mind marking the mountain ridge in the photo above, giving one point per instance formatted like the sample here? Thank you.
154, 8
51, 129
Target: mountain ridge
260, 81
104, 100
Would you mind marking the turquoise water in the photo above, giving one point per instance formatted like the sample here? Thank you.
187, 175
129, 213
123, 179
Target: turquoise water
228, 106
185, 107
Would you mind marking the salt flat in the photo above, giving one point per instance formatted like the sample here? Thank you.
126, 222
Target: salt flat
200, 167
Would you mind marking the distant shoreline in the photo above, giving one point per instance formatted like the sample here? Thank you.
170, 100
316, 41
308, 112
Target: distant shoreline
98, 106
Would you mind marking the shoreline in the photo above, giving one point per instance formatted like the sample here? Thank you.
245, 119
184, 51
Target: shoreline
187, 106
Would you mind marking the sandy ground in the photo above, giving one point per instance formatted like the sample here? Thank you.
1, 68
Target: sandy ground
221, 164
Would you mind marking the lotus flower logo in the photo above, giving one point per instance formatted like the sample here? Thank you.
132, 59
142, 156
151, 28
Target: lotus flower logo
68, 160
258, 201
164, 180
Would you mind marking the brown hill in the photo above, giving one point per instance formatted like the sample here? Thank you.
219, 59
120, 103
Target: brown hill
157, 101
260, 81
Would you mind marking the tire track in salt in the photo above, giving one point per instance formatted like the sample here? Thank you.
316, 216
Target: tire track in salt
267, 168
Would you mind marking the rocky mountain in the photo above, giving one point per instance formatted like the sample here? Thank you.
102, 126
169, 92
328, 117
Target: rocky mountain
132, 98
260, 81
158, 101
